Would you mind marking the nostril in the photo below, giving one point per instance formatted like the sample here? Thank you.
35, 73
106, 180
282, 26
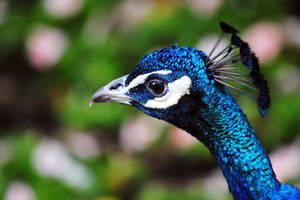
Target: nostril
114, 87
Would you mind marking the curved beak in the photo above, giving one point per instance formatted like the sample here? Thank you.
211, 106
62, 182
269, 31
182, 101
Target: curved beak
115, 91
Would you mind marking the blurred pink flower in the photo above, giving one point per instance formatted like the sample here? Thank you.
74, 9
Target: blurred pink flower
288, 79
291, 29
137, 134
204, 7
286, 161
83, 145
265, 39
19, 191
62, 8
127, 15
132, 12
51, 159
181, 139
45, 47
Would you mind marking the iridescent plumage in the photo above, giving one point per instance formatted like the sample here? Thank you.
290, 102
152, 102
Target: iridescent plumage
206, 109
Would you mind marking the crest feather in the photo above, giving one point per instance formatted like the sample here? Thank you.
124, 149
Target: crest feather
224, 68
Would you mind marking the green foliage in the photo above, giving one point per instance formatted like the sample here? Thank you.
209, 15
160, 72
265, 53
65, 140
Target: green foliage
102, 46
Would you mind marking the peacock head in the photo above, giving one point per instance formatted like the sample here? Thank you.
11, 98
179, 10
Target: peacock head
161, 83
174, 83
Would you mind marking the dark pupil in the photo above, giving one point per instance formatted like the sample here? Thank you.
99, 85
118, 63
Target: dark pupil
157, 87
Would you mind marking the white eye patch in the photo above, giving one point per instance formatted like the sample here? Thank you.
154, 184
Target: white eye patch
142, 78
176, 90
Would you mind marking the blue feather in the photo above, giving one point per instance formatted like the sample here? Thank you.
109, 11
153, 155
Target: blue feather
207, 110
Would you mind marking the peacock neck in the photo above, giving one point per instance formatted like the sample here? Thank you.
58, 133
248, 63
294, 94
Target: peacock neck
223, 127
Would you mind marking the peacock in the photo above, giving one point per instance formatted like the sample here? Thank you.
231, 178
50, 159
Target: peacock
190, 89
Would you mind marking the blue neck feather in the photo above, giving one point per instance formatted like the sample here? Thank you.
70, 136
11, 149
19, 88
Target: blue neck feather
211, 114
220, 124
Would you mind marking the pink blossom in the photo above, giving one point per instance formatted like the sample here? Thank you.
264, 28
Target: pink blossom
286, 161
204, 7
19, 191
181, 139
137, 134
265, 39
62, 8
45, 47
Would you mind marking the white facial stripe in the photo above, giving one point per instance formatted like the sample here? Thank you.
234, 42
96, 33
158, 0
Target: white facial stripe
176, 90
142, 78
135, 82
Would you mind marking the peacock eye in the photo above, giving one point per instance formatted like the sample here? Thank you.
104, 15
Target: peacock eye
156, 87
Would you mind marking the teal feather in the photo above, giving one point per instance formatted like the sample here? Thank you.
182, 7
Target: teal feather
209, 111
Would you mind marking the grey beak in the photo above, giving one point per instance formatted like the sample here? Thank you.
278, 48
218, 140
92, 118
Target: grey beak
115, 91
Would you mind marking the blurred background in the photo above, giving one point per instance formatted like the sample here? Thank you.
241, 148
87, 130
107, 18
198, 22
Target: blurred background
55, 53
